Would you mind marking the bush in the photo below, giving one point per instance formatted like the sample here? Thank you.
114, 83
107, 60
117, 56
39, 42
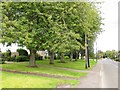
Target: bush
9, 52
9, 58
12, 58
5, 56
66, 57
21, 58
117, 59
46, 57
22, 52
2, 61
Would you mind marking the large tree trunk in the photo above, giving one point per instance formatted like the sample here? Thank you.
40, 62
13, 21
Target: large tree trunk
62, 58
71, 56
32, 58
51, 57
76, 56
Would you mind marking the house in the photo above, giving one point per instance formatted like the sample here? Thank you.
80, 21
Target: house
43, 53
14, 54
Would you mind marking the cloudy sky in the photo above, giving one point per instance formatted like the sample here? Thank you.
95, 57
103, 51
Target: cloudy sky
107, 40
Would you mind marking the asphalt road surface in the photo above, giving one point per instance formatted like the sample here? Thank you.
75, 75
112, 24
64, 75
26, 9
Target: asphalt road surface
103, 75
109, 73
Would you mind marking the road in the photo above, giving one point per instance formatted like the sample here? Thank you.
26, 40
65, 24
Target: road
103, 75
109, 73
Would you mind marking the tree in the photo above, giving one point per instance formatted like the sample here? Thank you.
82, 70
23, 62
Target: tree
90, 25
25, 24
100, 54
57, 27
111, 54
65, 36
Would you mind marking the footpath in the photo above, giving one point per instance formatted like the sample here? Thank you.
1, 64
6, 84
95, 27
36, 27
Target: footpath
93, 78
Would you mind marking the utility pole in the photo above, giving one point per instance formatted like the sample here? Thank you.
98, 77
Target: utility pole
96, 51
86, 52
88, 56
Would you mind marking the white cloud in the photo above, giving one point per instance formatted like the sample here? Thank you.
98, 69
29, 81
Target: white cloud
108, 40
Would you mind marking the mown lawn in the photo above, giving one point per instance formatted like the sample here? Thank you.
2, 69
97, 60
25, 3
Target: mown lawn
78, 65
12, 80
42, 69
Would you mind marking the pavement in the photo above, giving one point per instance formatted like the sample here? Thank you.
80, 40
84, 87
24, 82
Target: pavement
103, 75
92, 80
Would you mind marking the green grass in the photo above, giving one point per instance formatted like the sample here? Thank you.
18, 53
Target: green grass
43, 69
12, 80
78, 65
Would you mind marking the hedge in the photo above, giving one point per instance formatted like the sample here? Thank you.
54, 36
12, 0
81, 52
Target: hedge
21, 58
22, 52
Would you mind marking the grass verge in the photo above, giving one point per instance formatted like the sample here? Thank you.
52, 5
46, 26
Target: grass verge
43, 69
12, 80
78, 65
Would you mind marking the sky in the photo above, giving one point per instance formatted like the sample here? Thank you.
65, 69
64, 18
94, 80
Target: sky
108, 39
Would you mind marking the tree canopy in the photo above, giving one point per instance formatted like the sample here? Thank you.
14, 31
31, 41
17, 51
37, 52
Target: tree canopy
55, 26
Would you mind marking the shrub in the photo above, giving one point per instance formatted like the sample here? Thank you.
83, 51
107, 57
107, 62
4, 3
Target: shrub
21, 58
117, 59
9, 52
22, 52
12, 58
2, 61
5, 56
9, 58
66, 57
46, 57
